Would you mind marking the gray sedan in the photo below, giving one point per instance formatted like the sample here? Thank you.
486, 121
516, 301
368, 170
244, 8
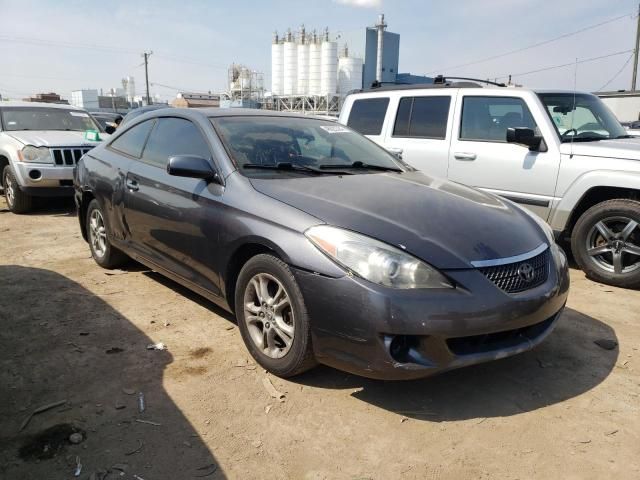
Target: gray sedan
326, 247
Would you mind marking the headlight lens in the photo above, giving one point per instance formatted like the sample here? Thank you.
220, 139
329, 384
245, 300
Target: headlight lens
375, 261
35, 154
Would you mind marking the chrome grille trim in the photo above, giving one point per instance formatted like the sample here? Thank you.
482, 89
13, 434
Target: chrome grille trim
507, 260
67, 156
509, 279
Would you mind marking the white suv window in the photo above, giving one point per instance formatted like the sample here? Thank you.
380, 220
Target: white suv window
487, 118
367, 115
422, 117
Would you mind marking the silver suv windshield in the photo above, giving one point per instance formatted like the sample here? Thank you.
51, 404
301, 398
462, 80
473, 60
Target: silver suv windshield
269, 146
581, 117
39, 118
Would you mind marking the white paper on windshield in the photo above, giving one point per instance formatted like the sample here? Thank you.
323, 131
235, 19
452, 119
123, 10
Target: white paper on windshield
79, 114
335, 129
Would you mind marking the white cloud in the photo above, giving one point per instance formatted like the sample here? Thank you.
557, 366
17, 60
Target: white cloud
361, 3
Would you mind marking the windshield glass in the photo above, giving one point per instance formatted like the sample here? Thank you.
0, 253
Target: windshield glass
258, 144
581, 117
38, 118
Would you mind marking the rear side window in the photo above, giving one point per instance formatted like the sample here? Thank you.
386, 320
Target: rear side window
422, 117
488, 118
367, 115
174, 136
132, 141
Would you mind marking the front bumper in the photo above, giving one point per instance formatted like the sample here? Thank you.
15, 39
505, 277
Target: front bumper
383, 333
42, 179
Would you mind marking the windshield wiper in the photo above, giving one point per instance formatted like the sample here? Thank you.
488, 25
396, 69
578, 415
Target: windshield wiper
288, 166
360, 165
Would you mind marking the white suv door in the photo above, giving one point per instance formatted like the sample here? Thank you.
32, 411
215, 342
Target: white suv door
481, 157
421, 130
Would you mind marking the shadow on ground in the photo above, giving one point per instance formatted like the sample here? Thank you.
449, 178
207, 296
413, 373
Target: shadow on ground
565, 366
60, 342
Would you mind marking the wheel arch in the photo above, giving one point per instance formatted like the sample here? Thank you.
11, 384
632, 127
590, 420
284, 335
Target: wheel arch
4, 161
87, 196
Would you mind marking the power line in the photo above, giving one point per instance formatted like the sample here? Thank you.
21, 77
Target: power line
535, 45
617, 73
544, 69
55, 43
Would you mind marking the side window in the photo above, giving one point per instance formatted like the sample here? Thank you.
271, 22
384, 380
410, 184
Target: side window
367, 115
487, 118
132, 141
174, 136
422, 117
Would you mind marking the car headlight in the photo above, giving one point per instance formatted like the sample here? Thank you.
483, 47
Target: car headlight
374, 260
35, 154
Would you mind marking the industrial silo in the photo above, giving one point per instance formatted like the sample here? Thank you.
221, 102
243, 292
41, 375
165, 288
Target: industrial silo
290, 56
349, 73
328, 65
314, 66
277, 66
303, 64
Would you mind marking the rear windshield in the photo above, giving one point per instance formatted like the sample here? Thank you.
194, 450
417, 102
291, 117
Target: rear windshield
38, 118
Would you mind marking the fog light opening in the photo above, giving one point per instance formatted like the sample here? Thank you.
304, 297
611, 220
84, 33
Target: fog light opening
35, 174
400, 348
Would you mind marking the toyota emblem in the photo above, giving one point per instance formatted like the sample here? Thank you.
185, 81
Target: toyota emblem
526, 272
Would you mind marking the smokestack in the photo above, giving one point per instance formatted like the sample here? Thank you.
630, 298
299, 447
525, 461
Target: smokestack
380, 26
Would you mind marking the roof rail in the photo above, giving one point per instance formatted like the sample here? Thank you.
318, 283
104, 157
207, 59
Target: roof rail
441, 79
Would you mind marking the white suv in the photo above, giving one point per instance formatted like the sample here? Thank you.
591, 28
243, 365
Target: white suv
563, 155
40, 143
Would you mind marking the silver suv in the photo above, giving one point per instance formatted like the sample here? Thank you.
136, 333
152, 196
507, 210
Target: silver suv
40, 143
562, 155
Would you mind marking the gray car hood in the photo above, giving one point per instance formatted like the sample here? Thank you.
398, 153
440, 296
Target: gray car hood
53, 138
446, 224
625, 148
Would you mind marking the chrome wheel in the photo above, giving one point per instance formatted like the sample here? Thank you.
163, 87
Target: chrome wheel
268, 315
97, 233
9, 188
613, 244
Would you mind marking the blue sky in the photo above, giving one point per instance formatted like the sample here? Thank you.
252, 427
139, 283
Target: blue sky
51, 45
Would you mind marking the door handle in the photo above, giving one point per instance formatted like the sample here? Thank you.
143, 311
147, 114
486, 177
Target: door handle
132, 185
465, 156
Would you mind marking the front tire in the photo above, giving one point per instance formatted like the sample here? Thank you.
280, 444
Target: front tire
272, 317
102, 251
606, 243
17, 201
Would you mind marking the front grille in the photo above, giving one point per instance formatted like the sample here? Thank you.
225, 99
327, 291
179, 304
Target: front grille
68, 156
490, 342
511, 278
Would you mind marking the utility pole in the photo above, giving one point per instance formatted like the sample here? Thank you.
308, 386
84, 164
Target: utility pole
146, 56
635, 54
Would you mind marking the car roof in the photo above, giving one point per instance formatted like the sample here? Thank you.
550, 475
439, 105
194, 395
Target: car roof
214, 112
18, 103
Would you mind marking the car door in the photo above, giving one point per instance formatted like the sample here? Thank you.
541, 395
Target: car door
421, 131
173, 221
480, 156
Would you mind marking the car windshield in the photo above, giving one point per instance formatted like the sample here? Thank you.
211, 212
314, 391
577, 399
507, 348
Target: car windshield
282, 146
38, 118
581, 117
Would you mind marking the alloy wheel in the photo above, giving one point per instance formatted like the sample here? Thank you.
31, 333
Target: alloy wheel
268, 315
613, 244
9, 189
97, 233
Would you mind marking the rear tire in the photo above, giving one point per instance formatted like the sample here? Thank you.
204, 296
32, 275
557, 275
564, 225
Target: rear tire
17, 201
604, 240
273, 320
104, 254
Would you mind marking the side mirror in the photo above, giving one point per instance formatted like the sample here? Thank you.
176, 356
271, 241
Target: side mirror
110, 129
524, 136
191, 166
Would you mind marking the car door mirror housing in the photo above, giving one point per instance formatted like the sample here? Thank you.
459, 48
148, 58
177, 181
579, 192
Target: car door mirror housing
526, 137
191, 166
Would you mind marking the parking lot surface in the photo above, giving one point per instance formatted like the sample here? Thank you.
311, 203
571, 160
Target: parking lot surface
75, 336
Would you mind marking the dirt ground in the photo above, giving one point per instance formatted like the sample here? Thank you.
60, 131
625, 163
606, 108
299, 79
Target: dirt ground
72, 332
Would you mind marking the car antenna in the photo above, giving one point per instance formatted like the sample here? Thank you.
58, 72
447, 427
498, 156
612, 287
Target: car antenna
573, 109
